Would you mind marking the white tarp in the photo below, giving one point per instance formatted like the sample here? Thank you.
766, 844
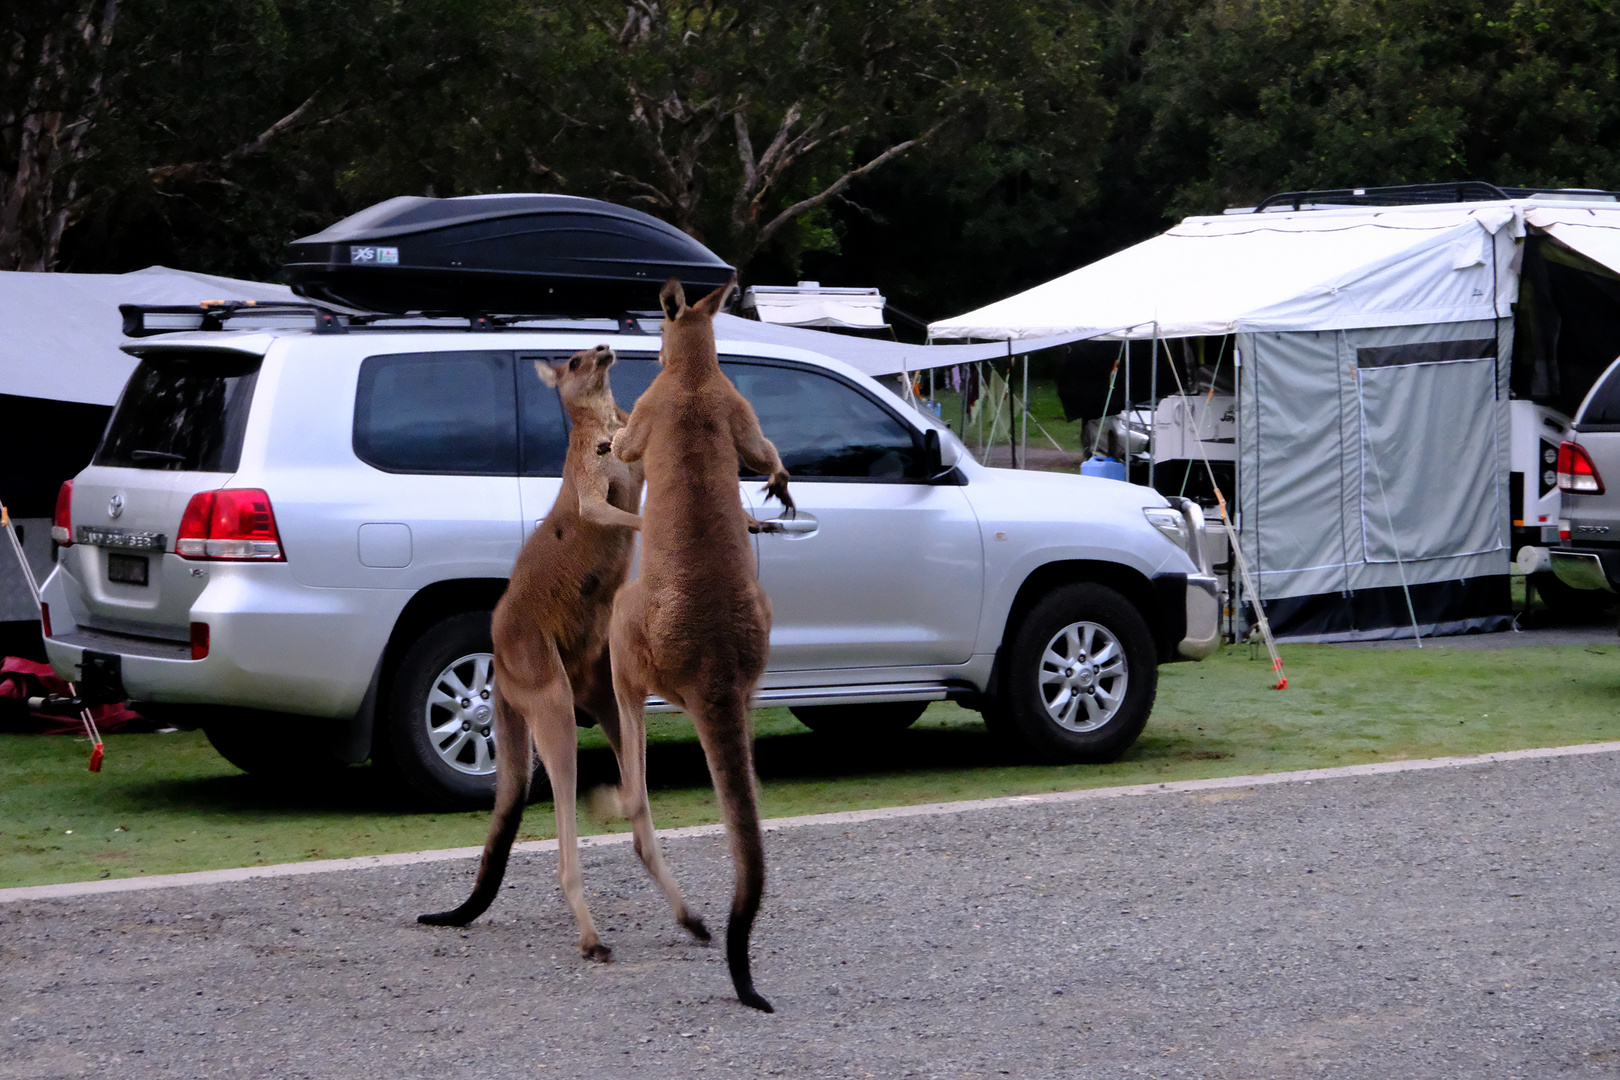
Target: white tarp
1592, 231
874, 357
62, 331
1303, 270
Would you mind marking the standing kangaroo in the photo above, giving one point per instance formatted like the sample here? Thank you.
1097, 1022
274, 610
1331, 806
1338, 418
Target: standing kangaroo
551, 649
695, 627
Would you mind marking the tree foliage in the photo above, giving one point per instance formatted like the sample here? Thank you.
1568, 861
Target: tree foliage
949, 151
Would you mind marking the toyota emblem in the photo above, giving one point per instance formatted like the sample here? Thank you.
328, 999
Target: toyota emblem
115, 506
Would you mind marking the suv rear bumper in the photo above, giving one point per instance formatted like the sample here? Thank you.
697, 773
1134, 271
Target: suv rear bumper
1590, 569
272, 646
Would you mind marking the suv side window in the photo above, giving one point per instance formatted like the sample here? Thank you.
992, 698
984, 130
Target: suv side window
543, 421
448, 413
825, 428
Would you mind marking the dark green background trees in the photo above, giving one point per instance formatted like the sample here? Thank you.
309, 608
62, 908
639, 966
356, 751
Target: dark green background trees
948, 151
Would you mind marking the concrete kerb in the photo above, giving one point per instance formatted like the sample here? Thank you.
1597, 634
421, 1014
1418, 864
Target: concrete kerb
848, 817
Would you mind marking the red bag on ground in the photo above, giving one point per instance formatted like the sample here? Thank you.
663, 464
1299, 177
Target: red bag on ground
22, 679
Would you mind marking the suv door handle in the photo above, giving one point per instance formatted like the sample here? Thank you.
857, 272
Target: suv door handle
802, 524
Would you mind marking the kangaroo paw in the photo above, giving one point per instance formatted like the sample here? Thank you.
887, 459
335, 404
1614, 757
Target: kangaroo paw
694, 925
598, 952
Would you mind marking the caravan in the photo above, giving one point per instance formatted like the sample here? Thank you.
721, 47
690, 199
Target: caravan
1402, 362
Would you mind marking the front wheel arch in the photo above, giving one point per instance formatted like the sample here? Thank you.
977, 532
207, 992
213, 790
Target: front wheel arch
1129, 583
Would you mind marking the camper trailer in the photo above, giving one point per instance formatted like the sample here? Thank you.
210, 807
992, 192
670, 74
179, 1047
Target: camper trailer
1383, 374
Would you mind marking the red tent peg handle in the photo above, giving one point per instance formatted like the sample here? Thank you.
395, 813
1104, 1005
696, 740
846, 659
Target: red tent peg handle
95, 758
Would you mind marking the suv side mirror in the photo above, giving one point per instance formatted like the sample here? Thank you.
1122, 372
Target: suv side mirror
933, 463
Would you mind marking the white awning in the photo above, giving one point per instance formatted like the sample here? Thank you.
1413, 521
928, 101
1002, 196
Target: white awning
1304, 270
1592, 232
63, 331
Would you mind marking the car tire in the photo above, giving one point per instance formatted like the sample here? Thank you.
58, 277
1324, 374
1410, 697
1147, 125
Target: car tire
436, 734
1563, 601
275, 745
1057, 697
884, 718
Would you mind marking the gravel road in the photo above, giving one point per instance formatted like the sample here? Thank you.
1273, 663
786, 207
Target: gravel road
1449, 923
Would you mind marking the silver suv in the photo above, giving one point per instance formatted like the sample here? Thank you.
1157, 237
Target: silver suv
1588, 552
296, 535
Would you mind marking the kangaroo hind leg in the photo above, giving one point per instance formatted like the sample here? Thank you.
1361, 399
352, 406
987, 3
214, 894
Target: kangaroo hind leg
513, 774
630, 690
550, 706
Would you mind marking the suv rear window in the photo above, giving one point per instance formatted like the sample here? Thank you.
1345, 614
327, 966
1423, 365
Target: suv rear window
449, 413
1602, 412
182, 411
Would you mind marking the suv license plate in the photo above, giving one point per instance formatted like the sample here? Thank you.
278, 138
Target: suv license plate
128, 569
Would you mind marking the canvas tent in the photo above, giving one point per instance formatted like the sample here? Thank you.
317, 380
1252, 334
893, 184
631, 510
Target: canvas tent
1376, 359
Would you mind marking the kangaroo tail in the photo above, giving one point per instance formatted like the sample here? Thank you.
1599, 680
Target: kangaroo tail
729, 747
514, 766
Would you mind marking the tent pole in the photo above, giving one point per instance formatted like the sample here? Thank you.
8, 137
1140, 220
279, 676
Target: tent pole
1025, 451
978, 368
1153, 405
1125, 451
1237, 556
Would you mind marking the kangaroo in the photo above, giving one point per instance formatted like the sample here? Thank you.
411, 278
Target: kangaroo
695, 627
551, 649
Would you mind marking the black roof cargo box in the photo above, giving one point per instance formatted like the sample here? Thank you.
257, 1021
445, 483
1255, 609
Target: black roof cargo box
500, 254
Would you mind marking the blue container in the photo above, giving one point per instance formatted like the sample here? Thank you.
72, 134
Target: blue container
1105, 467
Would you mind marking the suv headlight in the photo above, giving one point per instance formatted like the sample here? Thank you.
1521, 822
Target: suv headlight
1170, 522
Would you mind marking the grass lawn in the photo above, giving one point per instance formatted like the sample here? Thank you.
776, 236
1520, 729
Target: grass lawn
168, 803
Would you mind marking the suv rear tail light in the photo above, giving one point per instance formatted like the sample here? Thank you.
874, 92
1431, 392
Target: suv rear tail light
1576, 473
230, 524
62, 520
45, 618
199, 641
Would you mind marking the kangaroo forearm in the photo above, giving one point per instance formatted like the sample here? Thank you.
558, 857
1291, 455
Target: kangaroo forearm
601, 512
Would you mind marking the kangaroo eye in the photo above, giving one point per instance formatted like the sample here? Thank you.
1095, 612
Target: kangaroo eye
573, 365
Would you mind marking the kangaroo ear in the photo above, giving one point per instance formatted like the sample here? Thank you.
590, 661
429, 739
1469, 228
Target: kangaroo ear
604, 358
710, 305
672, 298
547, 373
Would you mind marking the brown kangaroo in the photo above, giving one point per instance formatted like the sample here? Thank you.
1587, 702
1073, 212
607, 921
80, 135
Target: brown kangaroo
551, 649
695, 627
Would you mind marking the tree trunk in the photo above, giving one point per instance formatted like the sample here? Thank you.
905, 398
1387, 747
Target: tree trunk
64, 69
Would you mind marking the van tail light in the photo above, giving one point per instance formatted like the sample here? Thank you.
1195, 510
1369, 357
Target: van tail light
62, 520
1576, 473
199, 640
234, 524
45, 618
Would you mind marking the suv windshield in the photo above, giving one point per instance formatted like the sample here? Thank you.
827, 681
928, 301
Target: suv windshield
182, 411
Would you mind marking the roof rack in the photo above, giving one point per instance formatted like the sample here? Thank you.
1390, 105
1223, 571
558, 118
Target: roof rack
146, 320
1413, 194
